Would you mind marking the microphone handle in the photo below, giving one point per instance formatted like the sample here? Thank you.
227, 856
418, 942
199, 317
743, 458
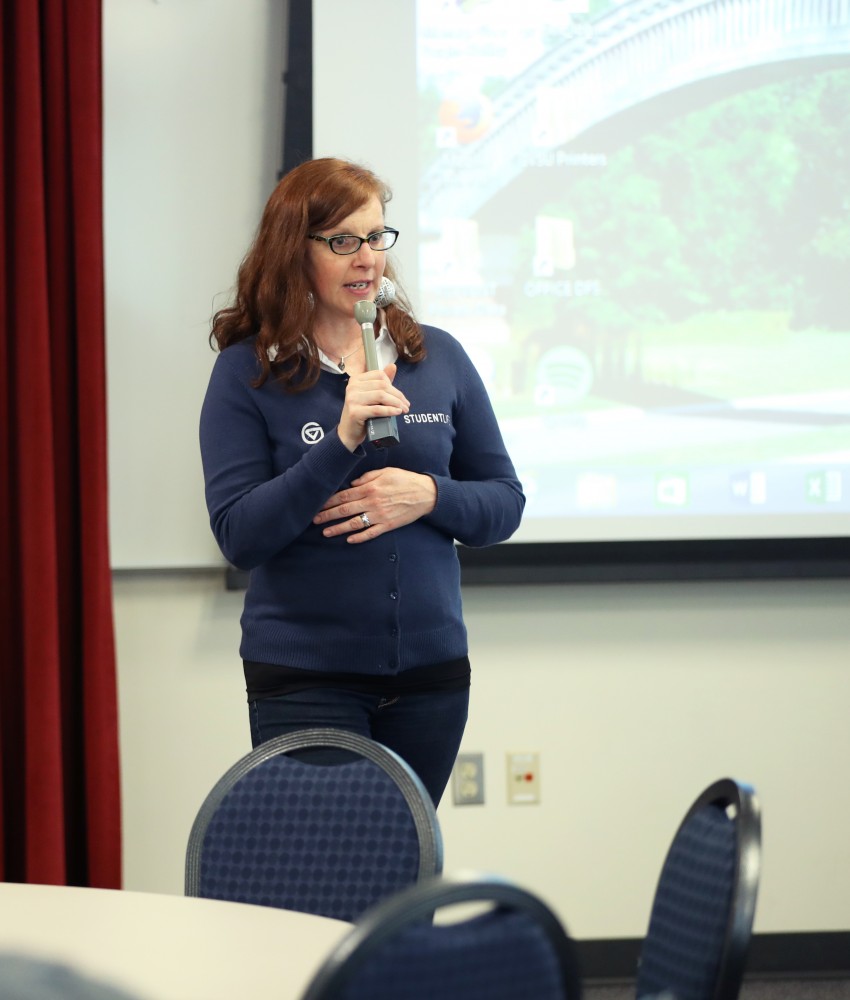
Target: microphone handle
381, 431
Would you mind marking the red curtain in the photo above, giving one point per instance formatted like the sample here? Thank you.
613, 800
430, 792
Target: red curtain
59, 774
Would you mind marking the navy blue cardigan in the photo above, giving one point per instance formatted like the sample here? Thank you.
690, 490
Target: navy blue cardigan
271, 459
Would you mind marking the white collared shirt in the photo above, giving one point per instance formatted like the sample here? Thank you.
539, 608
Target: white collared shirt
385, 349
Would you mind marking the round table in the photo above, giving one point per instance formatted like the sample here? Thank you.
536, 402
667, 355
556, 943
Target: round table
162, 947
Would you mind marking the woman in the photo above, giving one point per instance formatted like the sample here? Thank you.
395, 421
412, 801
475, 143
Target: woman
352, 616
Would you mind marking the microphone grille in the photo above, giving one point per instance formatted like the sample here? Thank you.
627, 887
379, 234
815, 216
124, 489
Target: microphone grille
386, 293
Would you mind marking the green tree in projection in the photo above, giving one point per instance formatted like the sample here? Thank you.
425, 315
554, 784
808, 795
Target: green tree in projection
815, 239
742, 205
727, 172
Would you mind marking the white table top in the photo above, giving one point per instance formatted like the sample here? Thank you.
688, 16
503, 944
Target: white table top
163, 947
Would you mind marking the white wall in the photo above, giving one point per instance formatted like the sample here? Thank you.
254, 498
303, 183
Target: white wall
635, 695
193, 107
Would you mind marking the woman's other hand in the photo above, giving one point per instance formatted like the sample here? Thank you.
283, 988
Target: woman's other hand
388, 498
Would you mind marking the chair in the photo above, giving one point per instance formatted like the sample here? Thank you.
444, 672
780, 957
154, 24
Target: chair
516, 949
322, 821
702, 913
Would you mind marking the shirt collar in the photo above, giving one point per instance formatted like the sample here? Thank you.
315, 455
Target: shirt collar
384, 347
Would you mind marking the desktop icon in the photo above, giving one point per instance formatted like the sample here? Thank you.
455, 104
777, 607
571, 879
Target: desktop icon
824, 487
749, 487
596, 491
672, 490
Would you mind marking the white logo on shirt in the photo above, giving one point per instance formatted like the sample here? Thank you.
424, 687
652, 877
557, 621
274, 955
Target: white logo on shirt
427, 418
311, 432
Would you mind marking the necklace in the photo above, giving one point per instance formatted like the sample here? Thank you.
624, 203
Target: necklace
341, 363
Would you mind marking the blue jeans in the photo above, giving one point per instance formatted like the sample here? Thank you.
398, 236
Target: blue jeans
424, 729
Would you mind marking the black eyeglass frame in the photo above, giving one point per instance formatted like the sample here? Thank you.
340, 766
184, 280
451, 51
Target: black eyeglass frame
363, 239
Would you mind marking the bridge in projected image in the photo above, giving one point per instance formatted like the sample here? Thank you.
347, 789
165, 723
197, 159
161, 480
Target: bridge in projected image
639, 55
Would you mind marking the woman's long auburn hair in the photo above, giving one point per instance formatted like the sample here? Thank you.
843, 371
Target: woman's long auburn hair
273, 298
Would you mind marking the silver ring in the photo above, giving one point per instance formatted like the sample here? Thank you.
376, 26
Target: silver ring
365, 519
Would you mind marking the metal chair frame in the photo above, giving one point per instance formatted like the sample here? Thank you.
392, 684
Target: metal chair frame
387, 919
411, 788
739, 801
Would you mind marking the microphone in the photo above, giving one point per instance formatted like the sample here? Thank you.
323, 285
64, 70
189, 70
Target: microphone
381, 431
386, 293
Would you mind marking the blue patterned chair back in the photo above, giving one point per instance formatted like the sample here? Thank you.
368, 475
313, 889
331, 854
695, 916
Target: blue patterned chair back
702, 913
515, 949
323, 838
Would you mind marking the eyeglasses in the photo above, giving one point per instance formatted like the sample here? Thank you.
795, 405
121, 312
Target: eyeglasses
345, 244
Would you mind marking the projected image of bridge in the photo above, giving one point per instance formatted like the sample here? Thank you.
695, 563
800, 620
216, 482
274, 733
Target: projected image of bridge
636, 219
